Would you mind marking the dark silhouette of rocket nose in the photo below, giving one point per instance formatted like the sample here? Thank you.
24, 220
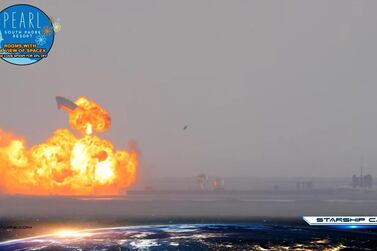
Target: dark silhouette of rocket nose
65, 103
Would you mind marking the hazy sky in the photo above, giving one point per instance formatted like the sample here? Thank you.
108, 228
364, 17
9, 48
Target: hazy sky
268, 88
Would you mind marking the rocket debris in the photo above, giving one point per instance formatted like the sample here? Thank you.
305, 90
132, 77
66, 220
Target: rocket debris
65, 103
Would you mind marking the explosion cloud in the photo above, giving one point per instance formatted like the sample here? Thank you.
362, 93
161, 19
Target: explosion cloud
67, 164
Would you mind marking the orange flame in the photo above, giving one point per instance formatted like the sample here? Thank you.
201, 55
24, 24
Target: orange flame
67, 164
89, 117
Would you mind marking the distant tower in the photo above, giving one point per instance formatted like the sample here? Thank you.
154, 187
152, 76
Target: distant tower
361, 172
355, 181
202, 180
363, 181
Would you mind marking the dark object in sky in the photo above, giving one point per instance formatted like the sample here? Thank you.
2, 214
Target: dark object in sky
184, 128
65, 103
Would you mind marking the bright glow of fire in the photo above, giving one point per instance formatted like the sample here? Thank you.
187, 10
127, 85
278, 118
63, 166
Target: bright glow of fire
68, 164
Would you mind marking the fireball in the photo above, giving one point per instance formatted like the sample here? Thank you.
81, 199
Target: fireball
67, 164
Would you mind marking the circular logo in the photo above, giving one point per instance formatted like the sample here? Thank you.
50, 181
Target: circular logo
26, 34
